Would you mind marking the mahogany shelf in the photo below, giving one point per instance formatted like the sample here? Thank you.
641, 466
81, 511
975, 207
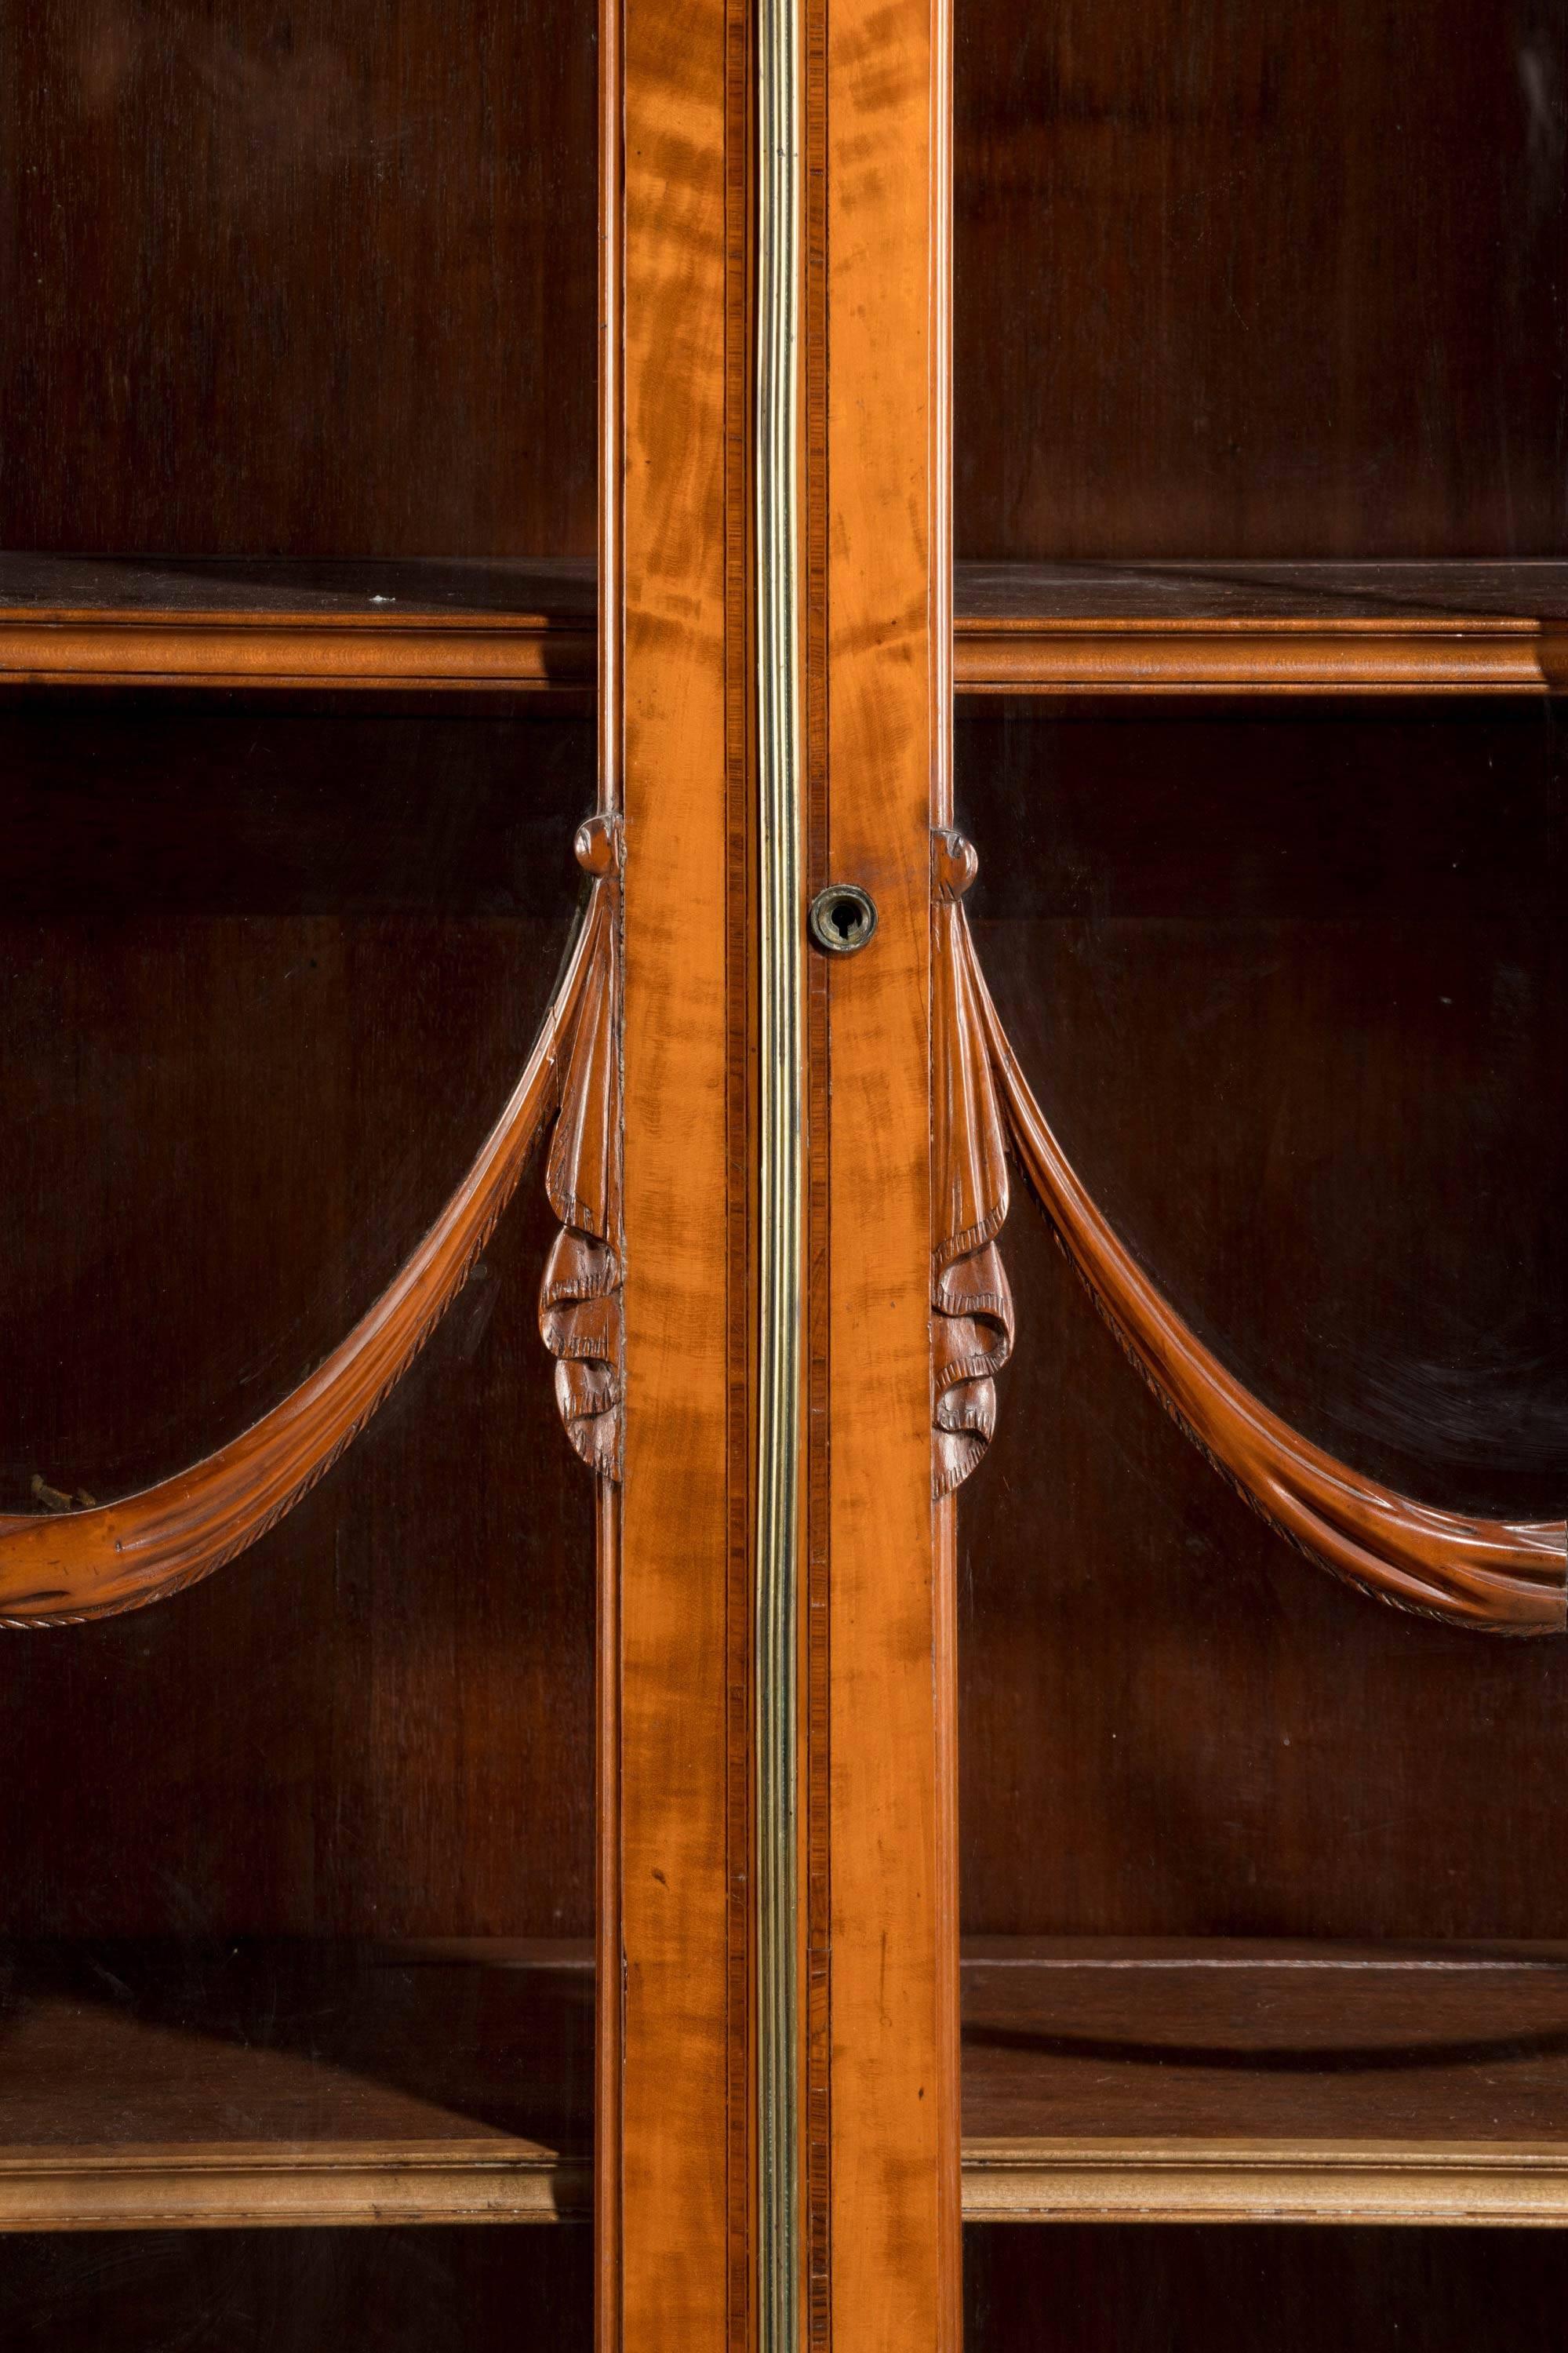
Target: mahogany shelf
1019, 629
162, 2085
118, 621
1261, 629
1211, 2082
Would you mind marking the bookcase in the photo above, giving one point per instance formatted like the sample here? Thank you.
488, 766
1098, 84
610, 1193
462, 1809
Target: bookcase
782, 1562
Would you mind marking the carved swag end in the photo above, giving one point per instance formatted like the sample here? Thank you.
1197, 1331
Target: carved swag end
581, 1316
972, 1321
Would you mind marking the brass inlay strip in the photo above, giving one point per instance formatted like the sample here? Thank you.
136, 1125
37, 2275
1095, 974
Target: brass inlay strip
780, 991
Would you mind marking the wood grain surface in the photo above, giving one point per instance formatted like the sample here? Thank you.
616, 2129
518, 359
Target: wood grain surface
1251, 282
445, 2291
1449, 2291
1263, 628
893, 2244
318, 283
666, 479
1022, 628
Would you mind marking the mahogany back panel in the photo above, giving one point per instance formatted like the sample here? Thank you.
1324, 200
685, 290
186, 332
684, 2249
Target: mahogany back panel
1238, 279
1086, 2289
269, 972
401, 2291
307, 281
1292, 989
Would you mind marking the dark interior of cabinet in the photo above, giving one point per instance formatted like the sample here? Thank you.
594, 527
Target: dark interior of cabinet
1172, 2290
402, 2291
316, 281
270, 973
1238, 280
1242, 1849
1290, 984
270, 969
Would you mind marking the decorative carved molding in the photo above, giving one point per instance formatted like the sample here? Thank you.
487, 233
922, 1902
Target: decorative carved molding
580, 1314
971, 1329
63, 1567
1507, 1577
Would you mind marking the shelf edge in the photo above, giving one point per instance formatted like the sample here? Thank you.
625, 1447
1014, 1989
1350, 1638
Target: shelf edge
279, 2185
1479, 656
533, 652
507, 653
1516, 2184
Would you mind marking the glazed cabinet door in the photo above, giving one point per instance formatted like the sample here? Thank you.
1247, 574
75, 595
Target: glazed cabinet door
1252, 1299
311, 1170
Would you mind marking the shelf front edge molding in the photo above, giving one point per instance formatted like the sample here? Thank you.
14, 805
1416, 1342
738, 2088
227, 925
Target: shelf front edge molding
64, 1567
519, 653
282, 2184
1260, 657
1264, 2181
508, 653
1506, 1577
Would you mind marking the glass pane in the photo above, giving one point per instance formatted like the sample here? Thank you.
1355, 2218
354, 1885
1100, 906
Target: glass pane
315, 282
1234, 280
1249, 1859
300, 1861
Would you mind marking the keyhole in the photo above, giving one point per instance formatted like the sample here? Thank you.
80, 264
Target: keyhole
842, 918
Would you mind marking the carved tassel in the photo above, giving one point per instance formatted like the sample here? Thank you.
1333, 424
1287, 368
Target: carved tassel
581, 1315
972, 1323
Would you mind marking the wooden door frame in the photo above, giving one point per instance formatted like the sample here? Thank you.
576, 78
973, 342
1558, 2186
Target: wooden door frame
875, 2089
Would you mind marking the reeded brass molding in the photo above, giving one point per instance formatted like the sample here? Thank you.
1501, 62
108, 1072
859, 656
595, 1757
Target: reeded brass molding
780, 1306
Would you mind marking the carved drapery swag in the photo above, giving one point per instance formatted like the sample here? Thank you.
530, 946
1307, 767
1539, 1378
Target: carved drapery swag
1507, 1577
971, 1324
60, 1567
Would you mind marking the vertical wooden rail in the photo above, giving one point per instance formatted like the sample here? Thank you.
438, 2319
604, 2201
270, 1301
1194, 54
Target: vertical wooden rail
878, 474
948, 2314
608, 2021
670, 393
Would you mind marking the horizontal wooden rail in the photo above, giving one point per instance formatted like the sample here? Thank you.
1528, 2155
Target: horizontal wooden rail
1201, 2180
1005, 655
1481, 656
508, 652
289, 2185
